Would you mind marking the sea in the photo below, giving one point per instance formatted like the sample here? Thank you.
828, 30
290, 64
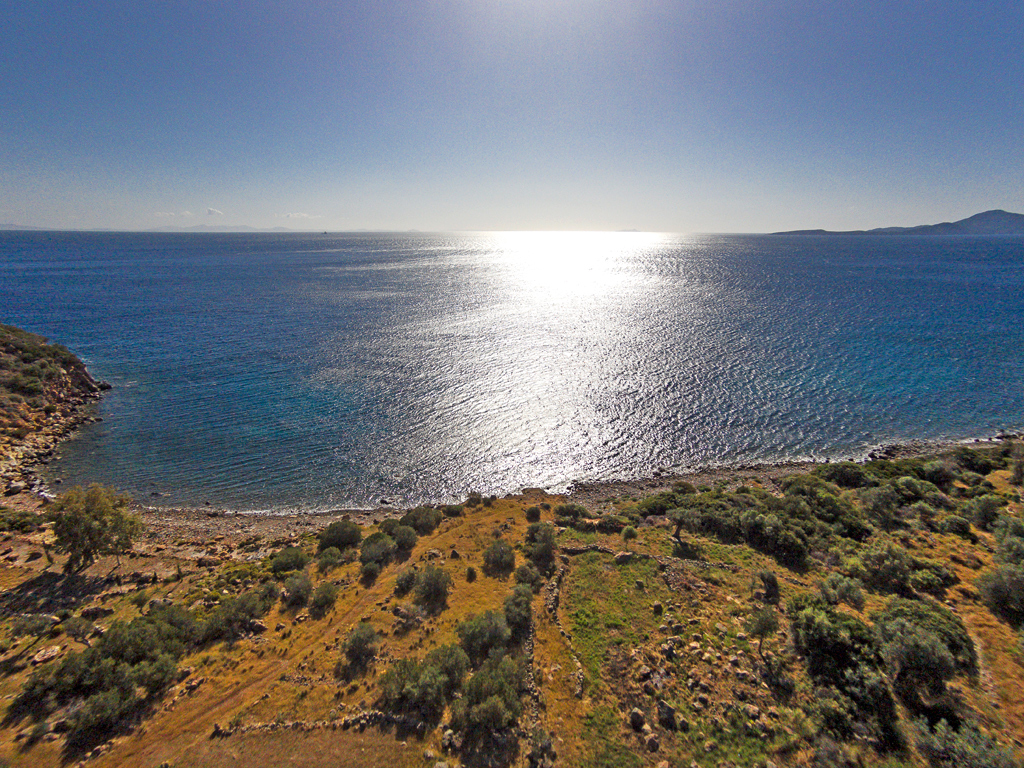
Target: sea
306, 372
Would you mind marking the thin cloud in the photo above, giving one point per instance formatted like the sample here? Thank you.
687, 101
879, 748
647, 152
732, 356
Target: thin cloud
214, 212
300, 216
164, 214
187, 213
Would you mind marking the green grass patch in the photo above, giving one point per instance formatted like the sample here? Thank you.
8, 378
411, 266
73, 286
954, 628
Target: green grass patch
605, 608
601, 732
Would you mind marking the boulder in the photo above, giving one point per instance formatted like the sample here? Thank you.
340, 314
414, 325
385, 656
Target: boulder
666, 715
636, 719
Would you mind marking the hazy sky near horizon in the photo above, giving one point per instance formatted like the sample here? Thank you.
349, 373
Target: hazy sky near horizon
687, 116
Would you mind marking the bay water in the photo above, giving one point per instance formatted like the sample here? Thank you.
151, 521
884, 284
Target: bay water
294, 371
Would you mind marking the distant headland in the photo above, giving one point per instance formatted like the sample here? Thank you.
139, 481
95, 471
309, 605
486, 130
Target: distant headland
988, 223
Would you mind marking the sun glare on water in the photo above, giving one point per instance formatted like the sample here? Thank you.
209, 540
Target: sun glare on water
556, 266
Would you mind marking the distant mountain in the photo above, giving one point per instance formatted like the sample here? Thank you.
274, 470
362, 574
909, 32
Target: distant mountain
987, 223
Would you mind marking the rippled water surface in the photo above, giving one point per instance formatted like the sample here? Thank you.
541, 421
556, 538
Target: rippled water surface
319, 371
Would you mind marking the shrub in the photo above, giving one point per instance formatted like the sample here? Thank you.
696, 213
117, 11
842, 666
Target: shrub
370, 571
323, 600
470, 574
846, 474
491, 700
881, 505
762, 623
329, 559
958, 526
361, 645
234, 616
540, 546
405, 538
939, 473
452, 510
984, 510
289, 559
770, 582
965, 748
533, 514
916, 658
483, 634
519, 611
377, 548
92, 522
528, 575
432, 588
422, 519
936, 619
297, 590
570, 512
424, 686
837, 588
499, 559
974, 461
884, 566
405, 581
387, 527
1002, 590
341, 534
629, 533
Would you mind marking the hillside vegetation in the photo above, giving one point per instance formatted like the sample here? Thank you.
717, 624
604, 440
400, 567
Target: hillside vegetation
854, 614
43, 388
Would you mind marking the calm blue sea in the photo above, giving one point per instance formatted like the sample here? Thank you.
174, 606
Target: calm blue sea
298, 371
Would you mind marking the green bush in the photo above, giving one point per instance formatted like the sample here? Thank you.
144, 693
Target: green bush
528, 575
341, 535
916, 659
984, 510
1002, 590
422, 519
432, 587
329, 559
499, 559
405, 581
540, 546
361, 645
519, 611
944, 747
936, 619
288, 559
491, 700
533, 514
958, 526
483, 634
423, 687
370, 571
881, 505
323, 600
233, 617
629, 533
836, 588
405, 538
452, 510
297, 589
770, 584
377, 548
570, 512
846, 474
884, 566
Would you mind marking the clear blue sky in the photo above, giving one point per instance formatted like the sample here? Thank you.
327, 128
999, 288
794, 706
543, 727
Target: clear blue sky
709, 116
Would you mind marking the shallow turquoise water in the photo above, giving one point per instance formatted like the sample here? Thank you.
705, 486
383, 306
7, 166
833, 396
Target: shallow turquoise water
320, 371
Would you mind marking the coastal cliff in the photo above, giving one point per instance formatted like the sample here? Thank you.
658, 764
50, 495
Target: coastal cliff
45, 391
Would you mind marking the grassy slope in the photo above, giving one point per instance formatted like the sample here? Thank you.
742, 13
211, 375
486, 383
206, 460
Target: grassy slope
608, 617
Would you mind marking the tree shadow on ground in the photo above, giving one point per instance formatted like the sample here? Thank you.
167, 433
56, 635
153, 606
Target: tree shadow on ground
50, 591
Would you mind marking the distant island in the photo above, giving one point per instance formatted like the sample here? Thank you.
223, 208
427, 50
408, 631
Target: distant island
988, 223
